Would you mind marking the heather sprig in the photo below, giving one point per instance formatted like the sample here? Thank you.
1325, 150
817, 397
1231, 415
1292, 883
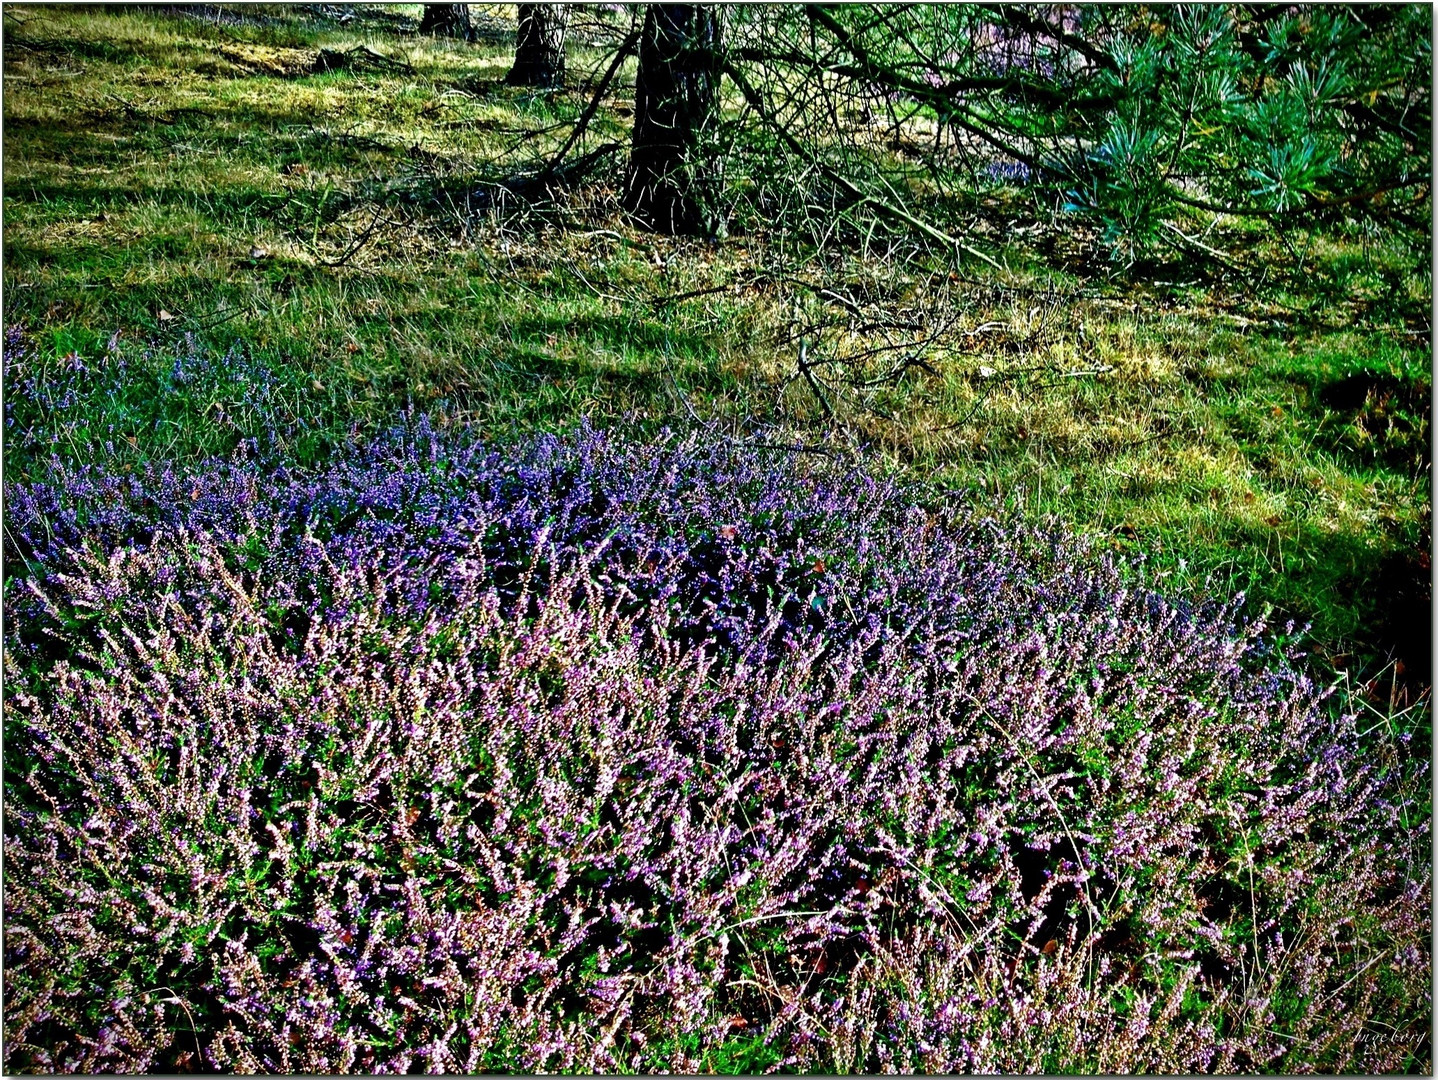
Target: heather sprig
576, 755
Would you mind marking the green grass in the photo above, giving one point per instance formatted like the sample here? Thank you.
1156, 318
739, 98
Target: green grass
187, 184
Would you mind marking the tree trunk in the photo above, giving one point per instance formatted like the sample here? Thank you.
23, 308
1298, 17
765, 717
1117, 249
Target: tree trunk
539, 50
675, 182
447, 20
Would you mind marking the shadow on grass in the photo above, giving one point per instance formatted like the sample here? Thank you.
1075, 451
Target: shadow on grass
217, 202
617, 332
1382, 595
1381, 418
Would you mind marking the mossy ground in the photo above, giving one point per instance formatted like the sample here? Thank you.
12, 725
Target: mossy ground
171, 174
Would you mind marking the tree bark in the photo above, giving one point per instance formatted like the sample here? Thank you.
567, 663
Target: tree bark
675, 183
539, 49
447, 20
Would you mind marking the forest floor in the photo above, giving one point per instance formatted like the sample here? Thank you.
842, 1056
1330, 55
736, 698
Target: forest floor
183, 181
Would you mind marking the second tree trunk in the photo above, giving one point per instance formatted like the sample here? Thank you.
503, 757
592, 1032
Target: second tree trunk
447, 20
539, 49
674, 183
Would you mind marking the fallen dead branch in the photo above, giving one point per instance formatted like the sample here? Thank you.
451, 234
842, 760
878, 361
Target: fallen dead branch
360, 58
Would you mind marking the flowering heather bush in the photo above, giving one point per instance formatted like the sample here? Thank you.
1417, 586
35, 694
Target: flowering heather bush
581, 756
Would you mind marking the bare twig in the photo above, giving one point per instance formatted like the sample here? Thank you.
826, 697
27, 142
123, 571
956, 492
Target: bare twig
625, 48
358, 243
756, 102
